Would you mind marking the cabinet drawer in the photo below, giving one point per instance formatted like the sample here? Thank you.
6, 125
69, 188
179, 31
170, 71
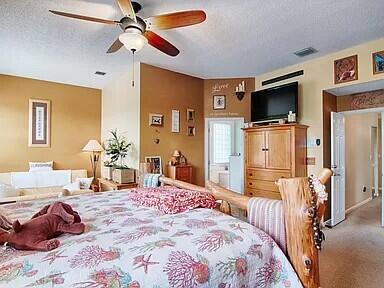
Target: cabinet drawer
268, 175
261, 193
183, 172
262, 185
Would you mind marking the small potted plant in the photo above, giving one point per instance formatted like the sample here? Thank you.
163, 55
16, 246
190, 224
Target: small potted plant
117, 148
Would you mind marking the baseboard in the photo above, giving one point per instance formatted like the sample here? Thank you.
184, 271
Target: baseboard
354, 207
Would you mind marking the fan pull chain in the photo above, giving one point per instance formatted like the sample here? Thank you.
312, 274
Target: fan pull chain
133, 67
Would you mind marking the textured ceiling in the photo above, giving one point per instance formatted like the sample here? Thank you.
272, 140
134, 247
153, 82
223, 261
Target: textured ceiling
239, 38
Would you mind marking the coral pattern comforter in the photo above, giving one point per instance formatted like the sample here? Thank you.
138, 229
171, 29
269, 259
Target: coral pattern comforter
131, 246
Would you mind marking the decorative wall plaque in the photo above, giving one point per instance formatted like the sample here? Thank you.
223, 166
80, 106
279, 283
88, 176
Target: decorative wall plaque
39, 123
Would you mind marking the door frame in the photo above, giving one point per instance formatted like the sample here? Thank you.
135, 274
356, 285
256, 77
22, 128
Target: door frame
206, 142
381, 159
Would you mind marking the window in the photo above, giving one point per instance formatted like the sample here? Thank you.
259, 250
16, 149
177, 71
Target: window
222, 142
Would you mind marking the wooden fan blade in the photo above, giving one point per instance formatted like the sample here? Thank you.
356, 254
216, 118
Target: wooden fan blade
160, 43
175, 20
127, 9
86, 18
115, 46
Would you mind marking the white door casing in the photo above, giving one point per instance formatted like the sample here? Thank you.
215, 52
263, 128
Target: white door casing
338, 167
382, 175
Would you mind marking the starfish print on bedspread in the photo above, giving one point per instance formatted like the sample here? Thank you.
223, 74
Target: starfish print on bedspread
140, 261
92, 256
139, 233
52, 256
215, 239
237, 227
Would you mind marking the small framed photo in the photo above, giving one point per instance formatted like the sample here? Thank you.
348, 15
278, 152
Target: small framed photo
190, 115
191, 131
378, 62
346, 69
218, 102
155, 119
155, 165
39, 123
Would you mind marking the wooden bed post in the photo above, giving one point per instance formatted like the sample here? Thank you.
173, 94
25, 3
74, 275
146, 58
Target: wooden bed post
301, 248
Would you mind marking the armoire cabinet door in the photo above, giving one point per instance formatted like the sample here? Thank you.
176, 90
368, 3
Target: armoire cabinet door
278, 143
255, 149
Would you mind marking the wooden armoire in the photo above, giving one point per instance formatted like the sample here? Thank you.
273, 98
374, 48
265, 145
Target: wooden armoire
272, 152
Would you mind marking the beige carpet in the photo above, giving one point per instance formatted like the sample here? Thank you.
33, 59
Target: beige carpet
353, 253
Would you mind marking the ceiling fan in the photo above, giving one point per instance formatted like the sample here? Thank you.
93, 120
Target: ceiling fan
138, 32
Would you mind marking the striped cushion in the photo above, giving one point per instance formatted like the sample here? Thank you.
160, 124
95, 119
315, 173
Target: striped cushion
268, 215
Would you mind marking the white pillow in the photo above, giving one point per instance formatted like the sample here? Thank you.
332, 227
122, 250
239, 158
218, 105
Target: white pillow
85, 183
8, 191
75, 186
40, 166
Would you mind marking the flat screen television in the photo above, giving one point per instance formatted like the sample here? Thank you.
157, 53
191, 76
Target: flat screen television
274, 103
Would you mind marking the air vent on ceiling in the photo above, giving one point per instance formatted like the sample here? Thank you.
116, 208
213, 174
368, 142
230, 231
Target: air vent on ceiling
305, 52
100, 73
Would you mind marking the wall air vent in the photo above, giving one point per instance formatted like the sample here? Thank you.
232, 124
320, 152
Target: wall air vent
100, 73
305, 52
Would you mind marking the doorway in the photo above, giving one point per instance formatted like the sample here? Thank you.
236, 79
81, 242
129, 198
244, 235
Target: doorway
224, 152
356, 144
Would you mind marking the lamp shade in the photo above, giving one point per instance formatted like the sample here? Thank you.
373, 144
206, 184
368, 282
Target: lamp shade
176, 153
93, 146
133, 40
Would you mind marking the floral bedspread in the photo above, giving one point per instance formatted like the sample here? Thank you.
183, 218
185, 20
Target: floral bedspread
130, 246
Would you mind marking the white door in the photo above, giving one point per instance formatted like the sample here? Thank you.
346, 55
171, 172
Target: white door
338, 167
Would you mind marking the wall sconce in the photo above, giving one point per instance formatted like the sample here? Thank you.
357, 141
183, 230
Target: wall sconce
240, 91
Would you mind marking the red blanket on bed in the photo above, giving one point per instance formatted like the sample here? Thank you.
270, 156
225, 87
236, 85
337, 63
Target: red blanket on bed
171, 200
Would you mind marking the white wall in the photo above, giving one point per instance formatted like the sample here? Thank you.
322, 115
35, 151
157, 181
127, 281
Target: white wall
358, 168
121, 111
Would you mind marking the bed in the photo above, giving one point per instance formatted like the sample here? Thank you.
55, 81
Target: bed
128, 245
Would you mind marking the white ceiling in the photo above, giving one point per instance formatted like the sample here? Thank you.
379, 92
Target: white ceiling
239, 38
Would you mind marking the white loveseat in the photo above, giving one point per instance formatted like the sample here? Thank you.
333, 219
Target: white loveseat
20, 194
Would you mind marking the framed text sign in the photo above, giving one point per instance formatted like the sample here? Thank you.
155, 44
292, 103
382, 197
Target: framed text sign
39, 123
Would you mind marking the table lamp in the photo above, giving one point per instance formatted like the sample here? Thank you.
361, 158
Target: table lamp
95, 148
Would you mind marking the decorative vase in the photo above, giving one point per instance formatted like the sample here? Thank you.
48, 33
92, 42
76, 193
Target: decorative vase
123, 176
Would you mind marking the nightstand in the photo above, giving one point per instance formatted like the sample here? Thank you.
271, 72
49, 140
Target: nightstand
180, 172
108, 185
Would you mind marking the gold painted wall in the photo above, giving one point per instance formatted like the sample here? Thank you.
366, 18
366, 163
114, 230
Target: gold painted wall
75, 118
234, 107
318, 76
162, 91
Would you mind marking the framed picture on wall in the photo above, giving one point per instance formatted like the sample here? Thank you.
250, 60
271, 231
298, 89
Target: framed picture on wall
155, 166
175, 121
346, 69
39, 123
191, 131
191, 115
155, 119
218, 102
378, 62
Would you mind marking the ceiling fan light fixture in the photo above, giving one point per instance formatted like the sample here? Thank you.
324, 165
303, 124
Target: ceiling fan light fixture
133, 40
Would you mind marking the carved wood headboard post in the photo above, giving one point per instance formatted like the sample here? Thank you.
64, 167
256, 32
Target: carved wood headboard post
301, 249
